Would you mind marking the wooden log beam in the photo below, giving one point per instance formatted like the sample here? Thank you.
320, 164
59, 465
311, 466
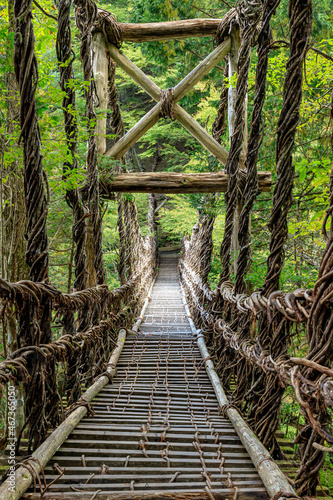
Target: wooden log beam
183, 87
140, 128
154, 32
172, 183
133, 135
200, 134
134, 72
203, 68
273, 478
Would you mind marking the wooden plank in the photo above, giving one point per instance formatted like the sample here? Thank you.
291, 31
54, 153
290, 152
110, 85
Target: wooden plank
172, 494
154, 32
196, 476
117, 448
172, 182
156, 470
180, 459
141, 485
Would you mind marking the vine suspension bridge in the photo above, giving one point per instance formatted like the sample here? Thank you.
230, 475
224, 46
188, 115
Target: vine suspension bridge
164, 388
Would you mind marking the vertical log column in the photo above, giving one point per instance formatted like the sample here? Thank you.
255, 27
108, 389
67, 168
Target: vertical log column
100, 72
86, 16
232, 93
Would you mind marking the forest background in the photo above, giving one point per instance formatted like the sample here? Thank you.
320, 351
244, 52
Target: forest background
168, 145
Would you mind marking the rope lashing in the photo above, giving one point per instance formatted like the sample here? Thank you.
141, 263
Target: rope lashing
78, 404
227, 407
226, 26
105, 374
107, 23
167, 98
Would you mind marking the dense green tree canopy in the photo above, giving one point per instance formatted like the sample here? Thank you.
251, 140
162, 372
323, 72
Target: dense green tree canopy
167, 63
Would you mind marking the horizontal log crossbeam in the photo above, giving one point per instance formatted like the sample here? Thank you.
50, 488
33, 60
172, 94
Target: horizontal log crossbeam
173, 183
154, 32
183, 87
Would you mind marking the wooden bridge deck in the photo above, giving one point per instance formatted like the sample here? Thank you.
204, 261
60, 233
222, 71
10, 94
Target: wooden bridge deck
157, 430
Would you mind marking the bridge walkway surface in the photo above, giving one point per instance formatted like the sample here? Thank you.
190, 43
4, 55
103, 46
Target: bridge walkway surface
158, 431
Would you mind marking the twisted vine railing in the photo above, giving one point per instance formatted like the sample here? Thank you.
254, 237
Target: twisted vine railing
89, 317
250, 334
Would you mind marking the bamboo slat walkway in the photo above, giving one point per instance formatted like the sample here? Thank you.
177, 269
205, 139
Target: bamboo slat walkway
157, 430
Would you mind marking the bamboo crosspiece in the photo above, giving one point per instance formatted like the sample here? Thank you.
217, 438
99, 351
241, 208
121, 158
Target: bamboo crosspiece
183, 87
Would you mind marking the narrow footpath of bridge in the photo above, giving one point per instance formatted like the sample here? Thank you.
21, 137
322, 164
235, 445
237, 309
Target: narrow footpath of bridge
158, 431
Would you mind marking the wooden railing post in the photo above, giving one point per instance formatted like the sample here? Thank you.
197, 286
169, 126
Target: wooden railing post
233, 63
100, 71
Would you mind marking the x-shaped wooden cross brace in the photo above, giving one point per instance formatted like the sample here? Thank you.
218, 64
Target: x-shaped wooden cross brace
152, 117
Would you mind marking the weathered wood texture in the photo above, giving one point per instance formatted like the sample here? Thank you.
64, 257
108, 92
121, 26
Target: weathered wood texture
146, 122
100, 70
173, 182
184, 28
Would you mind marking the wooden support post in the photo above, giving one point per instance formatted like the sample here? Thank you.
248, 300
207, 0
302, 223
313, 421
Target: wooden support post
120, 148
172, 182
13, 489
233, 62
100, 71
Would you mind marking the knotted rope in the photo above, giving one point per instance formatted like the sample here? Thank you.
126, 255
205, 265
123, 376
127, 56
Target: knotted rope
167, 98
107, 23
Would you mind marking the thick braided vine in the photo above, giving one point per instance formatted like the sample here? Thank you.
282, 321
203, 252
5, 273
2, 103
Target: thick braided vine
35, 182
300, 13
249, 17
65, 58
254, 142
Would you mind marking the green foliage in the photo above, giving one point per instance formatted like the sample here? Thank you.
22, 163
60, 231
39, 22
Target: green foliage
167, 63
